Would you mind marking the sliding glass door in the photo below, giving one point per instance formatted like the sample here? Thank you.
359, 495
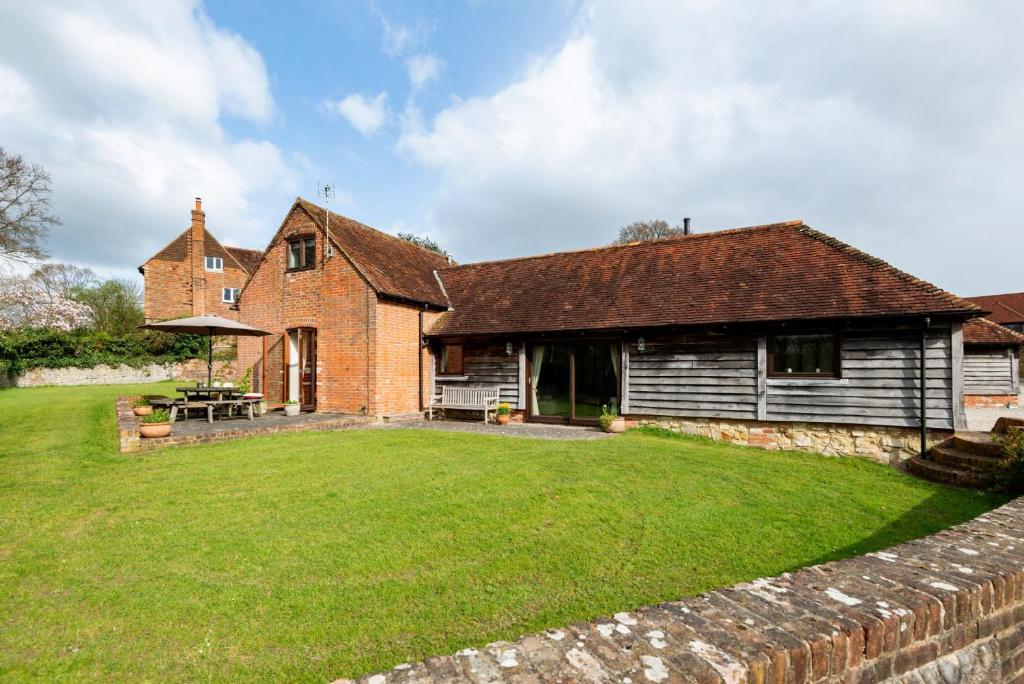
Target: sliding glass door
571, 382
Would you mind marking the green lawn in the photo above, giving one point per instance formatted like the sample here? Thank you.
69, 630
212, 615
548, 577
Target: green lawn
319, 555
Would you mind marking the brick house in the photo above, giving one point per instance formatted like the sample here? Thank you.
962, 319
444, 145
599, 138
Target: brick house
195, 274
1005, 309
349, 318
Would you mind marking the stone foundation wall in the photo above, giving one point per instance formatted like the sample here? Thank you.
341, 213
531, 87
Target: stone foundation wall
991, 400
947, 609
192, 370
883, 444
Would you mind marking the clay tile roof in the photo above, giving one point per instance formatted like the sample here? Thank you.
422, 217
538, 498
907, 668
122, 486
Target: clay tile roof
984, 331
249, 259
394, 267
781, 271
1005, 308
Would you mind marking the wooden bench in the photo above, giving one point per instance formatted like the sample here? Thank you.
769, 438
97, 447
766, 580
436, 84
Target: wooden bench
465, 399
231, 404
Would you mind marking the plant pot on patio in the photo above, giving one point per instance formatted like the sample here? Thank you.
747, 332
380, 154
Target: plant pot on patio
141, 407
503, 413
611, 421
291, 408
616, 425
156, 424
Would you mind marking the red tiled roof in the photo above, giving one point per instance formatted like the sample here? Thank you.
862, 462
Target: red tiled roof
393, 266
249, 259
1005, 308
984, 331
781, 271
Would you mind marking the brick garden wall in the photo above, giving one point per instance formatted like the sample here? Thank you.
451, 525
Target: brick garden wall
990, 400
946, 609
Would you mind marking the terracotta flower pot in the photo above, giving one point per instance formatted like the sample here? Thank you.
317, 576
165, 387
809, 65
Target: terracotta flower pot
143, 410
154, 429
502, 419
617, 425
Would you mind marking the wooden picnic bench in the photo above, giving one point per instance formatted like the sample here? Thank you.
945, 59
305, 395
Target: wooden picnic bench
207, 405
465, 399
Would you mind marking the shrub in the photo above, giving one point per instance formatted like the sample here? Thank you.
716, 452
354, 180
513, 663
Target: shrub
245, 384
1012, 475
26, 348
157, 416
504, 409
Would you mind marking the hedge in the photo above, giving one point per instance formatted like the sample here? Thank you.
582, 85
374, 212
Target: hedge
46, 348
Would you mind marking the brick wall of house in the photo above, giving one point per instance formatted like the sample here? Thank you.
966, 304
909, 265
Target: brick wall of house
398, 379
334, 299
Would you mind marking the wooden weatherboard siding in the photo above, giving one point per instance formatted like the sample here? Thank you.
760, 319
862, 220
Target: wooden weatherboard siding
989, 371
487, 365
725, 377
713, 377
880, 383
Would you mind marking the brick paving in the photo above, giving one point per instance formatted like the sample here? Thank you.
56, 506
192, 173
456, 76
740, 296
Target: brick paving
946, 608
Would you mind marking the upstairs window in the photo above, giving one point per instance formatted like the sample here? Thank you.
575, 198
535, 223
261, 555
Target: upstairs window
451, 360
803, 356
229, 295
301, 253
214, 264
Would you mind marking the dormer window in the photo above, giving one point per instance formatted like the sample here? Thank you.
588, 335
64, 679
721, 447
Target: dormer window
301, 253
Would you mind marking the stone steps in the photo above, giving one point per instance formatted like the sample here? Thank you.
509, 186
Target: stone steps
968, 459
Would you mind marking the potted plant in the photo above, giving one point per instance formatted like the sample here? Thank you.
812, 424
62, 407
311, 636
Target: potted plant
503, 413
142, 407
611, 421
291, 408
155, 424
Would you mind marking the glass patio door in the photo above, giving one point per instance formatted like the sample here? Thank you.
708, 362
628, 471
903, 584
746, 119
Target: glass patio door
569, 383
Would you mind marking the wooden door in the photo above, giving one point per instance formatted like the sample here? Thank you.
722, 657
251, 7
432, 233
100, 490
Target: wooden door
307, 368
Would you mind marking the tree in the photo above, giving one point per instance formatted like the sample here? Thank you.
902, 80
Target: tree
23, 305
62, 280
116, 306
25, 209
424, 242
641, 231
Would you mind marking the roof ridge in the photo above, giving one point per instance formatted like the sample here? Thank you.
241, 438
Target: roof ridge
303, 200
876, 262
1002, 328
637, 243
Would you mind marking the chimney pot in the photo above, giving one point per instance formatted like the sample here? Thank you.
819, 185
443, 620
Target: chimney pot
686, 226
199, 203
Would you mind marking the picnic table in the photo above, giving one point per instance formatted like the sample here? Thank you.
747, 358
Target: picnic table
210, 398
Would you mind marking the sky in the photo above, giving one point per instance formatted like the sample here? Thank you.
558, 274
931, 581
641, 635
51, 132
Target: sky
506, 128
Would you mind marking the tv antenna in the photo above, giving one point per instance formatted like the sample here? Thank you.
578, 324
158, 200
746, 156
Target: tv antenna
325, 191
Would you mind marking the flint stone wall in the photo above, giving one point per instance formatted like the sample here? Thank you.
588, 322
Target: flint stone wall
948, 609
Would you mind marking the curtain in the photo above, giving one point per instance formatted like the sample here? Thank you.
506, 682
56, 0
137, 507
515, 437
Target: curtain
444, 359
537, 361
614, 348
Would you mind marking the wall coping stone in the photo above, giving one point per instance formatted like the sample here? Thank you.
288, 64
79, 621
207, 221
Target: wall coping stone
927, 605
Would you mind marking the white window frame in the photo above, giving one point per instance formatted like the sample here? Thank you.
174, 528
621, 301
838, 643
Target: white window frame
232, 291
218, 263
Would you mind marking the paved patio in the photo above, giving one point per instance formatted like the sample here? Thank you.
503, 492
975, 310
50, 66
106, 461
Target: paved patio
530, 430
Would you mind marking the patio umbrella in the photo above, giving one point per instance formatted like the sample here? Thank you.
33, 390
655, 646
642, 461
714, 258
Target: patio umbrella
208, 325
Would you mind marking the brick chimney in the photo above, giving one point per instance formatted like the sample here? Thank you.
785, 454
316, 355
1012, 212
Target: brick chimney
197, 257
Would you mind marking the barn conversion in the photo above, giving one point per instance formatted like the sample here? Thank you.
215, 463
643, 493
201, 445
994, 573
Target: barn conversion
776, 335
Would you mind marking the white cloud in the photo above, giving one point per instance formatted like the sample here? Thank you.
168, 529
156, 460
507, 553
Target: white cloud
125, 104
366, 114
397, 38
423, 68
857, 117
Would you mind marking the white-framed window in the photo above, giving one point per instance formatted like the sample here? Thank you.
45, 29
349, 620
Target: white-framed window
229, 295
214, 264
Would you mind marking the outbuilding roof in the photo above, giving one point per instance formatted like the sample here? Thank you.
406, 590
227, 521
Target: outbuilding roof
774, 272
1005, 308
985, 331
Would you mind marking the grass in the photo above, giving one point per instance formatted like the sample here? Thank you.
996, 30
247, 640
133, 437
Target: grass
319, 555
